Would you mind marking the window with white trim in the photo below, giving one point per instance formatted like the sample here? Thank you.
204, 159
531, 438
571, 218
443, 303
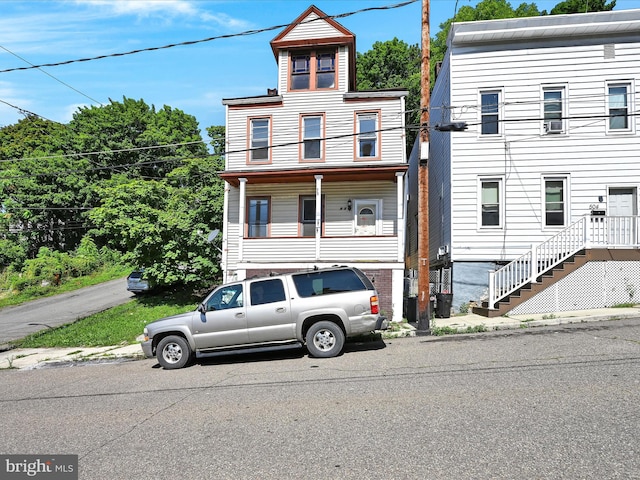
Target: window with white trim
368, 132
259, 139
553, 106
491, 201
555, 201
312, 128
618, 107
490, 112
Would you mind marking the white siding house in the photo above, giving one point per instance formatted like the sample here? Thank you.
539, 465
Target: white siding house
315, 170
547, 171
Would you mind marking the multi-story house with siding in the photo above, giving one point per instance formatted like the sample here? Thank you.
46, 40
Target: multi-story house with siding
534, 207
314, 169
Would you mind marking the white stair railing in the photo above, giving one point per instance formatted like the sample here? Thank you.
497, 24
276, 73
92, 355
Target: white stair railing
587, 232
541, 258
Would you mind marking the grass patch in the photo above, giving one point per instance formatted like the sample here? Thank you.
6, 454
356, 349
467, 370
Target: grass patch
120, 325
32, 293
440, 331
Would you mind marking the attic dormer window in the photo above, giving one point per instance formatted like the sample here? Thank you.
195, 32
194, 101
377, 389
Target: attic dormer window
300, 72
326, 70
313, 70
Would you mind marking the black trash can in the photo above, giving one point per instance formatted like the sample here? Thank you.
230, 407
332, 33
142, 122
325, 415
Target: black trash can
443, 304
412, 309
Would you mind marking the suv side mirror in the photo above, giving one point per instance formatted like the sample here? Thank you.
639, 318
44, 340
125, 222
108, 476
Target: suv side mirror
201, 308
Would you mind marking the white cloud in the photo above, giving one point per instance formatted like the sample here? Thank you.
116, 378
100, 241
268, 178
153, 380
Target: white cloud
164, 9
144, 7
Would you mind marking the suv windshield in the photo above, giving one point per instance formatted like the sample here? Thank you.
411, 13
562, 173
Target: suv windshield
331, 281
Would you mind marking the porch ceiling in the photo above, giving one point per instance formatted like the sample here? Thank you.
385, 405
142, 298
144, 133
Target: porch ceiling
301, 175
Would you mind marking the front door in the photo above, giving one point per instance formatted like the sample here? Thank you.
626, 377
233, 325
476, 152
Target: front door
366, 217
622, 210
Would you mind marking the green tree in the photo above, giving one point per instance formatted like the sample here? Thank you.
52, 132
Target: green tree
42, 190
393, 64
124, 137
163, 225
582, 6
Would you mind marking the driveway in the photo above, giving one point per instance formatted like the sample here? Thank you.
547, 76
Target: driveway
21, 320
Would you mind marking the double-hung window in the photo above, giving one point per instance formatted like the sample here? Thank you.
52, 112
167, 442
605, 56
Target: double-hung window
618, 107
490, 112
258, 217
325, 70
313, 70
553, 109
312, 133
300, 71
259, 140
367, 135
555, 198
491, 202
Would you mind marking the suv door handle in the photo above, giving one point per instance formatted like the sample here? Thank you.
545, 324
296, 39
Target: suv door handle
281, 310
239, 315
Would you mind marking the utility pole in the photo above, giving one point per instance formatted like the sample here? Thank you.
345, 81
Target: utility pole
424, 293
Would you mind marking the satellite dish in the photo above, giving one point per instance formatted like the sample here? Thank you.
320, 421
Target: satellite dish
212, 235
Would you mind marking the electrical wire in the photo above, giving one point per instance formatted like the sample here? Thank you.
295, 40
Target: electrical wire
49, 75
210, 39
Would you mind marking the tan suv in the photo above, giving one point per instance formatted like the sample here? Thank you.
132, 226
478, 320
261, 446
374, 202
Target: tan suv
316, 308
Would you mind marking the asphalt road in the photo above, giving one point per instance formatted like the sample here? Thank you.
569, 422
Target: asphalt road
544, 403
21, 320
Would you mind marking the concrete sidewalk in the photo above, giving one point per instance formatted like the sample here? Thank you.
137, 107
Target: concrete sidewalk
32, 358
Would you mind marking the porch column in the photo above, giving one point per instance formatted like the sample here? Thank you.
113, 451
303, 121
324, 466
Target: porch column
318, 213
401, 222
241, 216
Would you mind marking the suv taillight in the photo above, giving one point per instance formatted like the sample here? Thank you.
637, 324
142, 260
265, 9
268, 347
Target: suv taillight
375, 308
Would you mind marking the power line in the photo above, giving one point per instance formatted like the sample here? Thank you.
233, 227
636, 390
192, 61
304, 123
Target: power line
25, 111
210, 39
49, 75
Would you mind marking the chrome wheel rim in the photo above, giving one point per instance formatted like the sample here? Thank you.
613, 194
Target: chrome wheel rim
324, 340
172, 353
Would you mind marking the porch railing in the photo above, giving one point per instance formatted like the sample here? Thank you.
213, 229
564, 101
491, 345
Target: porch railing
587, 232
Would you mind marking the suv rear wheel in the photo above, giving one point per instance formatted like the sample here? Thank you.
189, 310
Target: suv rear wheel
324, 339
173, 352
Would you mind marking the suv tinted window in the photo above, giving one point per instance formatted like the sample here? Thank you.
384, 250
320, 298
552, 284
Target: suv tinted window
228, 296
332, 281
267, 291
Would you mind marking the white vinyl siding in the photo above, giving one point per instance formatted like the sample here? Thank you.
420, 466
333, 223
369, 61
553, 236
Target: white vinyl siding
338, 130
590, 156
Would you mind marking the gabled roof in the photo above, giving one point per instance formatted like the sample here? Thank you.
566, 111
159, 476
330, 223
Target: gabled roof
314, 28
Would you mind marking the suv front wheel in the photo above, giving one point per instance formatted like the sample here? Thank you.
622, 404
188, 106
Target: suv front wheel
173, 352
324, 339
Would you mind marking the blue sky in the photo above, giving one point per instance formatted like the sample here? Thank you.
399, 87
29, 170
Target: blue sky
191, 78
